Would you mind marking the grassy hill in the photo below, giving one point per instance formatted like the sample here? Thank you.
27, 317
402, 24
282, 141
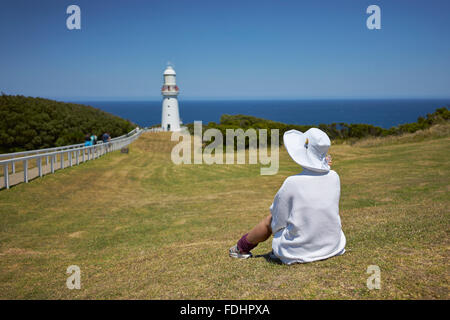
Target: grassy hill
28, 123
139, 226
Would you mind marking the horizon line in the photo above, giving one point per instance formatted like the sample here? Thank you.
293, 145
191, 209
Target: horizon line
109, 99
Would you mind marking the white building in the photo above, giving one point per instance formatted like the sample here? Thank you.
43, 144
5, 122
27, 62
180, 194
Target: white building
170, 115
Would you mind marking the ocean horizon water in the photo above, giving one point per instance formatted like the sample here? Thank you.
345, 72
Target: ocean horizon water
379, 112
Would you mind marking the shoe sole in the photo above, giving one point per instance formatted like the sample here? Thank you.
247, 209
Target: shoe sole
239, 256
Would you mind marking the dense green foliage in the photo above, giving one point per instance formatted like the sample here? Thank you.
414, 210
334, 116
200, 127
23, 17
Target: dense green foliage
34, 123
336, 131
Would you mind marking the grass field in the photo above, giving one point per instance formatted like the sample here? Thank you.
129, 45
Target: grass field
139, 226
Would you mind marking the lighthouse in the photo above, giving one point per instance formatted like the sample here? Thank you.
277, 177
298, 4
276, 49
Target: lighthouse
170, 116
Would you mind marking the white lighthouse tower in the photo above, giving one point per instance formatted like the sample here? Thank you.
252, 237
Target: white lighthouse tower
170, 115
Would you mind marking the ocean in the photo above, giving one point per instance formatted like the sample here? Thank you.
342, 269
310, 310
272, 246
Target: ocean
380, 112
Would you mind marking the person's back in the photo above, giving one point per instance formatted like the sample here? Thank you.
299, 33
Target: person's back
87, 141
304, 216
307, 226
106, 138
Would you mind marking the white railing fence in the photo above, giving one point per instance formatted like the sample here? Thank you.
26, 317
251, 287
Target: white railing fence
154, 129
72, 146
75, 154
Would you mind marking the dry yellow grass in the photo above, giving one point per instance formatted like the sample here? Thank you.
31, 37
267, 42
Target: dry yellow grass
139, 226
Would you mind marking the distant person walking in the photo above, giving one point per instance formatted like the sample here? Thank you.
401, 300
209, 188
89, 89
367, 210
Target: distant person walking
106, 138
304, 218
94, 139
87, 140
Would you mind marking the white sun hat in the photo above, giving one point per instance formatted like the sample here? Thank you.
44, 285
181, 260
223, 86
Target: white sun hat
308, 149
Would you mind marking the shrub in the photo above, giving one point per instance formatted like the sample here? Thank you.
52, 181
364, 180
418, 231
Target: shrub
336, 131
28, 123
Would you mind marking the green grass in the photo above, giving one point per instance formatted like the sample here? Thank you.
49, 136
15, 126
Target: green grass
140, 227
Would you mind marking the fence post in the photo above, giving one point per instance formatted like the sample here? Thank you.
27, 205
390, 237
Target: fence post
6, 174
52, 166
25, 171
77, 156
69, 154
13, 167
40, 166
61, 160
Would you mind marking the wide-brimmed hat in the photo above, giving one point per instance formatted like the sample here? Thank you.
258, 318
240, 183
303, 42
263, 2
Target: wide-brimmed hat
308, 149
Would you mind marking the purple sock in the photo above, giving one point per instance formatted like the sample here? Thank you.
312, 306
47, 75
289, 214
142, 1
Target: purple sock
244, 246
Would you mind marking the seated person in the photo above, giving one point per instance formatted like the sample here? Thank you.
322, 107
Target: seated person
304, 217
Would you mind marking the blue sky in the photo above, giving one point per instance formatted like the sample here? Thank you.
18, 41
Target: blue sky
226, 49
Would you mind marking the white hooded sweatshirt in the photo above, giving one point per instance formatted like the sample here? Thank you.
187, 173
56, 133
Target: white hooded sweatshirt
305, 218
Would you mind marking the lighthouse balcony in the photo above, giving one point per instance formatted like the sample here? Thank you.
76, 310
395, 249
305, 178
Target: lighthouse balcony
169, 93
169, 90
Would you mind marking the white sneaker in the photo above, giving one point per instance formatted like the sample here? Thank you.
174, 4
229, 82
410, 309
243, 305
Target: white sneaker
235, 253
